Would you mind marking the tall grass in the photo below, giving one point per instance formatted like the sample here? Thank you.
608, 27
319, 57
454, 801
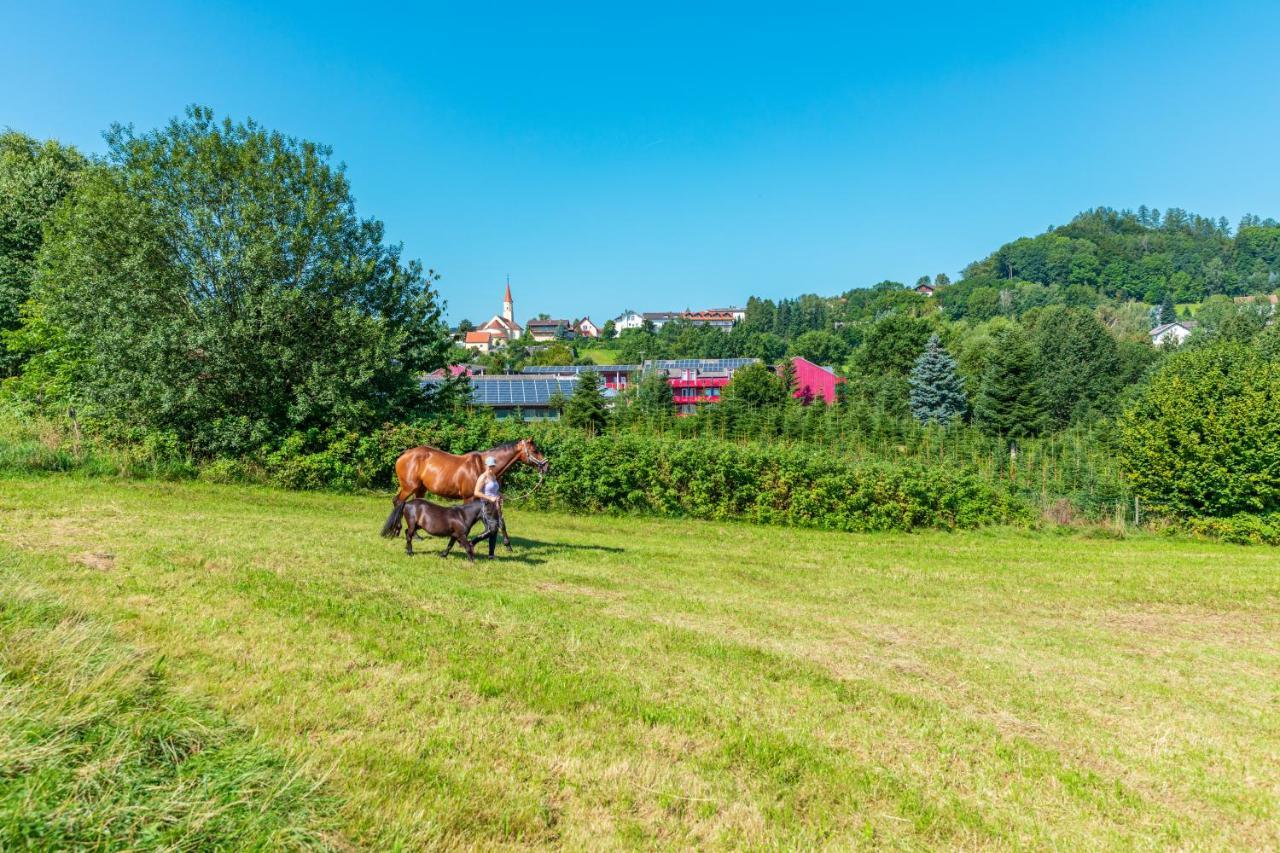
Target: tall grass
96, 751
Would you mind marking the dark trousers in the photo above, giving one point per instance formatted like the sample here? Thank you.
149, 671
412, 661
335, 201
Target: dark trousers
492, 518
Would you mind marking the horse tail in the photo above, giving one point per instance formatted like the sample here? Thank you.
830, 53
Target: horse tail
392, 527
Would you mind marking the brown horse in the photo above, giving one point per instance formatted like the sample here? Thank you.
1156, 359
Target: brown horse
428, 469
454, 522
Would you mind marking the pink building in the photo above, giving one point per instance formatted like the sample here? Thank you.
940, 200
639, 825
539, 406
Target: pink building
819, 381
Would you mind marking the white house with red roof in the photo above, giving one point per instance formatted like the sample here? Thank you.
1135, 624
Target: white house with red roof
586, 329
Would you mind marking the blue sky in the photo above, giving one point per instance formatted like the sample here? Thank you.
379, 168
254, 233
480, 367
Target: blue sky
665, 158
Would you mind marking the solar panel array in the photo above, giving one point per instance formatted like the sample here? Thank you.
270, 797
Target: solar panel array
517, 391
702, 363
579, 368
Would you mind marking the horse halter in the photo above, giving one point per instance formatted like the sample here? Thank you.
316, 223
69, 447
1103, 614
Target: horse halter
527, 452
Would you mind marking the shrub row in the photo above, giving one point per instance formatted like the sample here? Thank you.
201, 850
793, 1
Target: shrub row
698, 478
1242, 528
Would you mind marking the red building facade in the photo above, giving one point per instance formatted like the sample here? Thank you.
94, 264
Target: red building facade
815, 382
697, 382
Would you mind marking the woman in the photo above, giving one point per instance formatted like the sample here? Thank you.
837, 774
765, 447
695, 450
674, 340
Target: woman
489, 490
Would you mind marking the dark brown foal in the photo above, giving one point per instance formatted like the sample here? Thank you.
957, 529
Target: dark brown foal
454, 522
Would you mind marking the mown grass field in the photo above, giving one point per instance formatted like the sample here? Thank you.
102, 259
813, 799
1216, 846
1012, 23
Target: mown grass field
602, 356
184, 662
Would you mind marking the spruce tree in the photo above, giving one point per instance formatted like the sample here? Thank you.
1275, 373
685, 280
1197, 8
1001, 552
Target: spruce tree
1167, 312
787, 375
653, 396
937, 391
586, 408
1011, 403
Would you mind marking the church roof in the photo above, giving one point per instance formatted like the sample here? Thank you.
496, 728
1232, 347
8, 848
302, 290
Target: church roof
500, 323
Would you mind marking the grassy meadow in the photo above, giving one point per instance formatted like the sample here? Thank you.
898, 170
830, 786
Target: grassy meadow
187, 662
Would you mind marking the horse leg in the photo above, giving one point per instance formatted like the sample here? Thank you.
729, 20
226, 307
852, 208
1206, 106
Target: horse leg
506, 540
471, 551
447, 548
409, 530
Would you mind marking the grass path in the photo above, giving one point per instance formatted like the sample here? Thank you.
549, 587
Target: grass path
625, 682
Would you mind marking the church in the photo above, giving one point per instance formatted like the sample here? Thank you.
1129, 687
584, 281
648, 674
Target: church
499, 329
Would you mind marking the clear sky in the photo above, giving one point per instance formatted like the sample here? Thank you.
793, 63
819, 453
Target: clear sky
690, 154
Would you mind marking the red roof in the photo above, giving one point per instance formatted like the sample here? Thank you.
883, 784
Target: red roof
478, 337
507, 298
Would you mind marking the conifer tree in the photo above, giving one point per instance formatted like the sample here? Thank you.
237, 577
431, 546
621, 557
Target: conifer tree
653, 396
787, 375
1167, 312
586, 408
1011, 403
937, 391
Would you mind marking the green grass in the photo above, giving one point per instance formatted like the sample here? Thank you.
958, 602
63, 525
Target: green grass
636, 682
97, 752
601, 356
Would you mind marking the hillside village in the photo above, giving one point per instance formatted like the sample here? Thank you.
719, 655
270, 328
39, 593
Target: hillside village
502, 329
536, 392
528, 370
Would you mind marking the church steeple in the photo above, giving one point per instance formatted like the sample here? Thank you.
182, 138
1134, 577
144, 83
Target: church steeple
508, 307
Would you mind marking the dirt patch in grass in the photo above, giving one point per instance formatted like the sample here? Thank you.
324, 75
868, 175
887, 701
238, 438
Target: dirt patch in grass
99, 560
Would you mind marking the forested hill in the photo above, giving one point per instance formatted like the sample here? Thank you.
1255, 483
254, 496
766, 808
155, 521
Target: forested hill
1143, 255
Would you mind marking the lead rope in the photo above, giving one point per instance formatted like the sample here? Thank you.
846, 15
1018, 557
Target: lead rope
533, 488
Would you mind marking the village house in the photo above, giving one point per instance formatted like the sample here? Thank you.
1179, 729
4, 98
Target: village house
925, 289
628, 320
484, 341
719, 318
550, 330
1177, 332
738, 314
697, 382
659, 318
584, 328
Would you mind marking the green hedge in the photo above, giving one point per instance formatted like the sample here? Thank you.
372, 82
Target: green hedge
698, 478
763, 483
1243, 528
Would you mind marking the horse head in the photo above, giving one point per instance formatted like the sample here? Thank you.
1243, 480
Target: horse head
530, 456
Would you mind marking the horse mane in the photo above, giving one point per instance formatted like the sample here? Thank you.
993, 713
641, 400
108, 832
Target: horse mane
506, 445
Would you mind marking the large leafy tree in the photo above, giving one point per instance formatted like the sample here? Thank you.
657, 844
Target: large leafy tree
820, 347
215, 283
34, 178
1010, 403
893, 344
756, 386
1080, 368
1203, 438
937, 390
